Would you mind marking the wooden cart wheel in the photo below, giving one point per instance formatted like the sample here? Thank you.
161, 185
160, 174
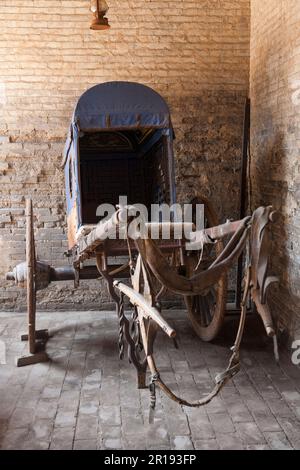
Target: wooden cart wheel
31, 272
206, 312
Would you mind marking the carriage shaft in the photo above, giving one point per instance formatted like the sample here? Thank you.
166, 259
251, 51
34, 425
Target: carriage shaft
138, 300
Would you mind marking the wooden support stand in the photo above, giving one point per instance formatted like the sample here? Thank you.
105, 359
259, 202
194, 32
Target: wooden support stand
36, 339
32, 359
37, 351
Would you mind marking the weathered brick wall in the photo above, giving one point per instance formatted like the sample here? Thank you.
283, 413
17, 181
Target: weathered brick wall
194, 52
275, 94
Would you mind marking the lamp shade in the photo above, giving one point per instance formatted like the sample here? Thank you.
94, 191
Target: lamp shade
99, 9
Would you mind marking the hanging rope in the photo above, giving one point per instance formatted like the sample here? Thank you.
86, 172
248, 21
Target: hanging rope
221, 379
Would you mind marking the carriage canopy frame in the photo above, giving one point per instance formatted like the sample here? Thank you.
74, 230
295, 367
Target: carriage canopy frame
114, 107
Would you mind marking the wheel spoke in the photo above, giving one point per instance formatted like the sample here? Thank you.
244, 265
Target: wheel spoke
202, 311
208, 310
213, 295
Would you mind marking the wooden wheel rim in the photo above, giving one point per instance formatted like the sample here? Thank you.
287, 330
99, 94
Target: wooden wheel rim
199, 308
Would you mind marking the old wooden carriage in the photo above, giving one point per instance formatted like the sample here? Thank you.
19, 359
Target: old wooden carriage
120, 143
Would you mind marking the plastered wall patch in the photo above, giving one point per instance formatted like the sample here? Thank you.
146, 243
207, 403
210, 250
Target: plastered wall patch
2, 94
295, 85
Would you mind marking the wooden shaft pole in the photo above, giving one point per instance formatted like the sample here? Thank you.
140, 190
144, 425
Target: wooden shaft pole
148, 311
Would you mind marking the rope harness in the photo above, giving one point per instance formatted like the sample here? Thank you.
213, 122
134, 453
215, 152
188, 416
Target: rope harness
222, 378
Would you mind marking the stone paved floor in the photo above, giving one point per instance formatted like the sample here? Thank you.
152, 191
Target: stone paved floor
86, 399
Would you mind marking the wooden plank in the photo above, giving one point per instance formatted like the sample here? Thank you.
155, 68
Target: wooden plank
32, 359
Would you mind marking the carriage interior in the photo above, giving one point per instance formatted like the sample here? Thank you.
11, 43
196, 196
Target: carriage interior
130, 163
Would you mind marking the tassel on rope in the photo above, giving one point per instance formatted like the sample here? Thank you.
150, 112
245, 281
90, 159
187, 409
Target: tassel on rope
152, 389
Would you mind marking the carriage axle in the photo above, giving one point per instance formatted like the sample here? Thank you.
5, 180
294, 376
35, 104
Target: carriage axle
45, 274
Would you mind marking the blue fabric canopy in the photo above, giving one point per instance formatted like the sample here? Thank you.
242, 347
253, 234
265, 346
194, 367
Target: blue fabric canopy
117, 105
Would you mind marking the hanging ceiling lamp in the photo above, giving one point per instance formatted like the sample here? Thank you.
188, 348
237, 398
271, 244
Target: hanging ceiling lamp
99, 9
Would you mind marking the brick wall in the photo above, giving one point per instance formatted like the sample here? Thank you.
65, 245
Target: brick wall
275, 94
194, 52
